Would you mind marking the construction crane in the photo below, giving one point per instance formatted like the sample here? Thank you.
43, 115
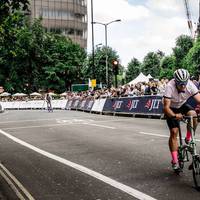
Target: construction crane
194, 33
189, 20
197, 33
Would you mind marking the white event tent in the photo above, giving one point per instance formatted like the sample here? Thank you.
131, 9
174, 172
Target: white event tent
140, 78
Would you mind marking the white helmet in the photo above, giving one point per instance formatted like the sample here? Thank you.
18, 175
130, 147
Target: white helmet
181, 76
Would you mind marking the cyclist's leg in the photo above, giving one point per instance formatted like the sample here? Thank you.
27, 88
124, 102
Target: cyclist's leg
48, 108
51, 108
195, 121
188, 110
173, 125
173, 144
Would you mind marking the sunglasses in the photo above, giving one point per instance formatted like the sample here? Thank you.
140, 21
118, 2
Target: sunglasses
181, 83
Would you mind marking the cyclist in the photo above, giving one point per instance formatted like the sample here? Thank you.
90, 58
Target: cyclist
48, 100
175, 97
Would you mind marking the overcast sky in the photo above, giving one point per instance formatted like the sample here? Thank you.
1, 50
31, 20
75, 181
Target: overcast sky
146, 25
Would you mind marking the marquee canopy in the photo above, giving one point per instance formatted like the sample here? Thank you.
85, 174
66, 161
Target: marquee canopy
140, 78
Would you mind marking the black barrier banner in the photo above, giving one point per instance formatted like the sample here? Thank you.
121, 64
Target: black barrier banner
88, 104
140, 105
68, 105
79, 104
74, 104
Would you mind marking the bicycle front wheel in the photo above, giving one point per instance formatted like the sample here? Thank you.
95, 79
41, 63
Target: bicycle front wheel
196, 171
182, 156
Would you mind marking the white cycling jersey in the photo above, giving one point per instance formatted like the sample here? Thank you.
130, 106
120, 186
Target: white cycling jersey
179, 98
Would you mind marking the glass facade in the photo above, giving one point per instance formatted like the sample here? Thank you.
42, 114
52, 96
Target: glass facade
68, 17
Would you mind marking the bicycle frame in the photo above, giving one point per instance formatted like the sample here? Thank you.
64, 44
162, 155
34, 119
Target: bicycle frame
191, 148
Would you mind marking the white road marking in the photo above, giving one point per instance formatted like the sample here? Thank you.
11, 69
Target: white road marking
28, 120
44, 126
60, 124
127, 189
9, 178
154, 134
63, 119
71, 121
103, 126
36, 120
159, 135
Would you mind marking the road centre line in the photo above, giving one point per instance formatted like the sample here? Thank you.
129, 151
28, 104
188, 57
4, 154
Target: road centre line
55, 119
159, 135
103, 126
37, 120
64, 124
64, 118
154, 134
13, 182
127, 189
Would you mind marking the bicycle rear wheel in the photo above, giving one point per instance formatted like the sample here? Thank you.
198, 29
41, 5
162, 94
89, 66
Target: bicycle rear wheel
196, 171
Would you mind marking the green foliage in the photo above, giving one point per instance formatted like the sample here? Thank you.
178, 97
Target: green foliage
8, 48
192, 60
167, 66
65, 59
133, 70
99, 69
34, 59
151, 64
183, 44
10, 6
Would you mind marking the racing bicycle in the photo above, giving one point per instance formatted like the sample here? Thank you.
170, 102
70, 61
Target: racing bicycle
187, 152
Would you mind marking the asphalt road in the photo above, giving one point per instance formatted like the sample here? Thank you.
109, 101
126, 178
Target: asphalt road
69, 155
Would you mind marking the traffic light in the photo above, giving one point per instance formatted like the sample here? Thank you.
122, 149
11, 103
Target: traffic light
115, 65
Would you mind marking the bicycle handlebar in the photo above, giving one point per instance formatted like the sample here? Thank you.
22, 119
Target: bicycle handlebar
188, 117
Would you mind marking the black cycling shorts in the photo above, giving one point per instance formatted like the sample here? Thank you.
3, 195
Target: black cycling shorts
184, 109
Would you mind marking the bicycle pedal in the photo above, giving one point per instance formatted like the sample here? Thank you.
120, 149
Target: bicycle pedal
190, 167
185, 160
178, 171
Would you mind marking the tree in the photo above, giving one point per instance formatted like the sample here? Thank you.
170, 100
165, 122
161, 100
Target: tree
100, 65
7, 7
31, 59
167, 67
151, 64
65, 60
9, 30
134, 68
183, 44
192, 60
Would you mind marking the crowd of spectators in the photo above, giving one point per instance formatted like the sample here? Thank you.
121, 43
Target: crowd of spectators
153, 87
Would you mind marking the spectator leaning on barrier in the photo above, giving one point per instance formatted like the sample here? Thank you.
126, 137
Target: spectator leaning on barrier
177, 92
154, 89
147, 89
161, 86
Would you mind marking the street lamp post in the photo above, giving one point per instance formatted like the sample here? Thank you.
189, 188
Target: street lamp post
92, 23
106, 44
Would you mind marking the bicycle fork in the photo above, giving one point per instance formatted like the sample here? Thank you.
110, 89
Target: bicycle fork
182, 151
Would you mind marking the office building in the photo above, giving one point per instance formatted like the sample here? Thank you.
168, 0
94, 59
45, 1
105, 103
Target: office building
68, 17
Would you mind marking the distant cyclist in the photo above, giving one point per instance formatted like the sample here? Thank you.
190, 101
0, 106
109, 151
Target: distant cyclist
48, 100
176, 94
